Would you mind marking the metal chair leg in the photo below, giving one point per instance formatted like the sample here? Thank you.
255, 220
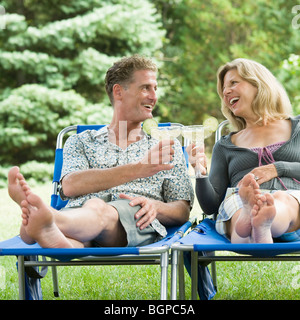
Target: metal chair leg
164, 263
194, 273
55, 280
21, 275
174, 267
181, 278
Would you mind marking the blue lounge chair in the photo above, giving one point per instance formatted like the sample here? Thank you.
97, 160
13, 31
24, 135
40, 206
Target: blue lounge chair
204, 245
156, 253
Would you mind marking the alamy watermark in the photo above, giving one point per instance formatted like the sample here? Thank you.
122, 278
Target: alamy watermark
2, 18
296, 19
296, 279
2, 278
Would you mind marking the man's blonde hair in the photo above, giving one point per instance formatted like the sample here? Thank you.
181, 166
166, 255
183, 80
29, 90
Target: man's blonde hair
271, 101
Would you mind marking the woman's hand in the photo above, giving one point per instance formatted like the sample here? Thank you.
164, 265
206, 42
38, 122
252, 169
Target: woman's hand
197, 158
264, 173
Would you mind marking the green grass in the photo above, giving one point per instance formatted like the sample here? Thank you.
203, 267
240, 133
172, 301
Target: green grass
236, 280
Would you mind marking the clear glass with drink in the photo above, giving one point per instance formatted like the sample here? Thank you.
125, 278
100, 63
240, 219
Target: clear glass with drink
166, 133
194, 134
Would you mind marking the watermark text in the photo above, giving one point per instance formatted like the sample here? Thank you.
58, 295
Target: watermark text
2, 18
296, 19
2, 278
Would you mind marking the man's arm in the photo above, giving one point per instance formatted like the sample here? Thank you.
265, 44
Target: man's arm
173, 213
87, 181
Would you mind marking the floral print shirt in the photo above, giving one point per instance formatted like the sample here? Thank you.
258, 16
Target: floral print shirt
92, 149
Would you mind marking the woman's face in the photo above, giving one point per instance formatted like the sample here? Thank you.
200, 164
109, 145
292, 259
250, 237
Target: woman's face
238, 94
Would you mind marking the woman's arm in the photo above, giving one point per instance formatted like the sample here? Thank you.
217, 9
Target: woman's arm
211, 190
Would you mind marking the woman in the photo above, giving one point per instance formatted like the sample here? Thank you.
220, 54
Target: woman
254, 182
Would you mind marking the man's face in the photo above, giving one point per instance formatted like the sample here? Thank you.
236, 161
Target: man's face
139, 97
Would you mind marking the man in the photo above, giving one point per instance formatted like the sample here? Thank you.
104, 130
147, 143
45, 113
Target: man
116, 179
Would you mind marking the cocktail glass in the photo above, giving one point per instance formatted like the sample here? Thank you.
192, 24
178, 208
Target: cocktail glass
194, 134
166, 133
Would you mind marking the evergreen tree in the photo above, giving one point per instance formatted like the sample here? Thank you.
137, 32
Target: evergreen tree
53, 60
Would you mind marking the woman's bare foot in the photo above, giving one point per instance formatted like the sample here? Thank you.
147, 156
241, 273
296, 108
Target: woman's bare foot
248, 191
18, 189
263, 214
39, 224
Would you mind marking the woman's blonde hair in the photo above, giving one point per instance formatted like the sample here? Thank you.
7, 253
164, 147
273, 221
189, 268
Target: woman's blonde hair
271, 101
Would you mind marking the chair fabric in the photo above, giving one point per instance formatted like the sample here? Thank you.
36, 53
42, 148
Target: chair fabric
204, 237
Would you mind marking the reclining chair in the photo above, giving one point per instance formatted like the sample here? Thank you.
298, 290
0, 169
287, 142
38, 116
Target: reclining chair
153, 254
204, 245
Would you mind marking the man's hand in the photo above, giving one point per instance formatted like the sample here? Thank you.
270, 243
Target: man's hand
158, 158
146, 214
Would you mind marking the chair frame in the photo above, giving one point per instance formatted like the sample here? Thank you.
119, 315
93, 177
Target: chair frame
177, 266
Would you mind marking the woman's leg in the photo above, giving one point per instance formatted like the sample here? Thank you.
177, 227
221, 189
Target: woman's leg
287, 217
271, 216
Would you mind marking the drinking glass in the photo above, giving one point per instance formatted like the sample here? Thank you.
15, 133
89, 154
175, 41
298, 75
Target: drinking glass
194, 134
166, 133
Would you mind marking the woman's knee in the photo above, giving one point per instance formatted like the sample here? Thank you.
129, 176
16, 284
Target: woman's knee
280, 194
284, 197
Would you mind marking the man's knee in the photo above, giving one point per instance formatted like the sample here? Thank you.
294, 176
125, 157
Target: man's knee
102, 209
94, 204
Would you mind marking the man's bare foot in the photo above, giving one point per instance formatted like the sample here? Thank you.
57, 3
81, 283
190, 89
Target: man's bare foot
248, 191
262, 216
18, 189
39, 224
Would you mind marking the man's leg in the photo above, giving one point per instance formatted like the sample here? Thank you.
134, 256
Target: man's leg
72, 228
95, 219
38, 223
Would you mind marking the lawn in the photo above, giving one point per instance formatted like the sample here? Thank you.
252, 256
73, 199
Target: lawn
236, 281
